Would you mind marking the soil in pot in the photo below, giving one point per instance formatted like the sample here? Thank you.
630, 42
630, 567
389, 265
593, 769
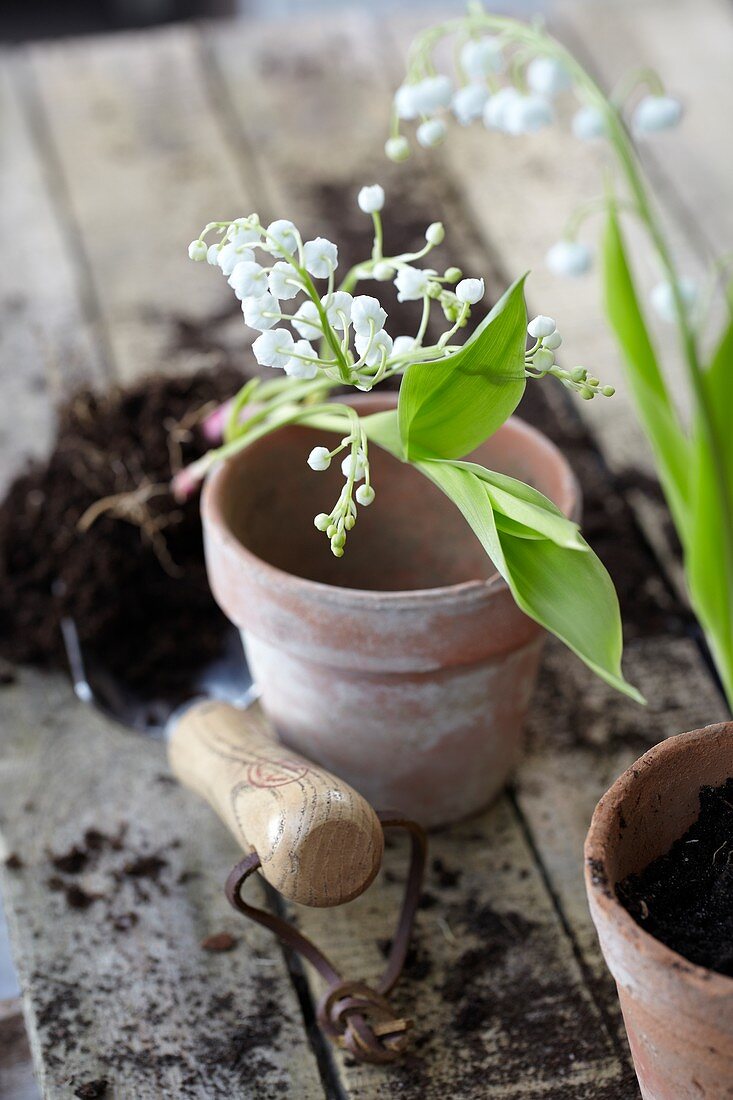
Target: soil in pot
685, 898
136, 585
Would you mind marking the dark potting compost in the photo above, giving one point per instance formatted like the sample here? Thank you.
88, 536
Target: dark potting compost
685, 898
134, 581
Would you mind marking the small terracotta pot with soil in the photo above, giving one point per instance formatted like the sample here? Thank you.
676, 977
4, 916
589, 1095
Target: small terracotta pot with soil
660, 845
404, 667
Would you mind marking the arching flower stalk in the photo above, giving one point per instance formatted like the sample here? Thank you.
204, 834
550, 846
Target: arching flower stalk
508, 76
458, 387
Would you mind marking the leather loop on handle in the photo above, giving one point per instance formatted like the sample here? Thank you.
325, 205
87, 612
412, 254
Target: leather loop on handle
318, 842
352, 1013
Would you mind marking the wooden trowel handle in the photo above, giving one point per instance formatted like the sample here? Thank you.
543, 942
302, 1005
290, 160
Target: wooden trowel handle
319, 842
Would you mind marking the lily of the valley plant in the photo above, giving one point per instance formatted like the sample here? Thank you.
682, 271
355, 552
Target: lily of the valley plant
317, 334
509, 76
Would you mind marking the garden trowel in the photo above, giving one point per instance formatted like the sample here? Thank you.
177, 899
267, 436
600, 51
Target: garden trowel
311, 836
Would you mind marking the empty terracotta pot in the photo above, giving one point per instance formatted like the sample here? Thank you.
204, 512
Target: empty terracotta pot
404, 667
678, 1016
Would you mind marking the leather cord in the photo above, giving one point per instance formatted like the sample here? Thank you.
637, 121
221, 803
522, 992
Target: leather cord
353, 1014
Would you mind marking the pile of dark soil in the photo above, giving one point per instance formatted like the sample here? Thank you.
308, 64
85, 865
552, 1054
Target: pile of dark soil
685, 898
134, 581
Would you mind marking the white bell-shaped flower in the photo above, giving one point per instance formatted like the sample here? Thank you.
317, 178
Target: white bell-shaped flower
481, 57
307, 321
497, 107
197, 251
283, 281
569, 258
262, 312
241, 233
412, 283
367, 314
397, 148
589, 124
371, 198
541, 326
212, 254
355, 464
432, 93
374, 349
656, 112
527, 114
319, 459
403, 345
405, 102
553, 341
470, 291
365, 495
273, 348
431, 133
338, 309
662, 298
282, 235
468, 103
231, 255
546, 76
248, 280
320, 257
303, 363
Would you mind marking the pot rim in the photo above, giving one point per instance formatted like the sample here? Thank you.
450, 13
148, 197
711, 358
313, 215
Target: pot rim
601, 892
466, 591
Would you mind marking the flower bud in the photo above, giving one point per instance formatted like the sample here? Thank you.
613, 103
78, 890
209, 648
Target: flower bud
541, 326
337, 551
578, 374
331, 530
435, 233
586, 393
547, 76
339, 539
656, 112
608, 391
365, 495
383, 272
543, 359
319, 458
349, 521
470, 291
568, 258
371, 199
552, 341
453, 274
197, 250
397, 148
593, 382
431, 133
322, 522
588, 124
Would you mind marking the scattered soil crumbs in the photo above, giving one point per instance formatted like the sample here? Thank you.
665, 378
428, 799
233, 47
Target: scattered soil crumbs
135, 587
219, 941
91, 1090
685, 898
114, 859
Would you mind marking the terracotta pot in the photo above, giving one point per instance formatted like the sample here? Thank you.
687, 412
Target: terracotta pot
678, 1016
404, 667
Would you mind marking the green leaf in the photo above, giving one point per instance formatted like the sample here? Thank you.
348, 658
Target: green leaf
656, 411
710, 582
567, 592
449, 407
383, 428
527, 508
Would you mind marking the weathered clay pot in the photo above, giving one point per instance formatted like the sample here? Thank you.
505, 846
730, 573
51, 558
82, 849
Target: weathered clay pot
678, 1016
404, 667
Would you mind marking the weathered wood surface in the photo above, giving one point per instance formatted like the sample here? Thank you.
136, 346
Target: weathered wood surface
149, 136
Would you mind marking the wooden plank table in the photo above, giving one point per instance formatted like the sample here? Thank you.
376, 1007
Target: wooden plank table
112, 152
